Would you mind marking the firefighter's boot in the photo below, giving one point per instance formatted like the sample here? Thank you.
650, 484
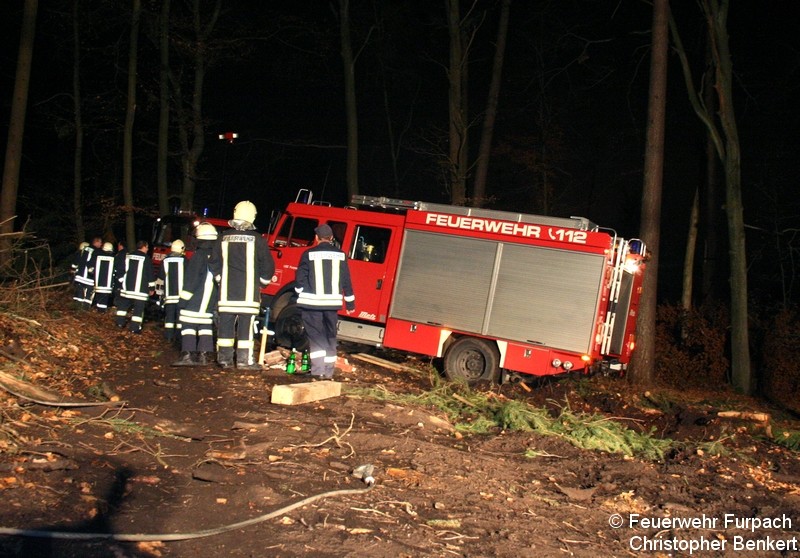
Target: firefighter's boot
225, 358
204, 359
244, 360
186, 359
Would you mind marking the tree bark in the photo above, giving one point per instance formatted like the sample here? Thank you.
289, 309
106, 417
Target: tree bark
642, 366
163, 115
457, 118
16, 128
691, 250
485, 148
77, 166
717, 16
349, 98
130, 114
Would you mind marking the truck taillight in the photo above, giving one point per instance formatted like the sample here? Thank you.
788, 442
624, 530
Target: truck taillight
631, 343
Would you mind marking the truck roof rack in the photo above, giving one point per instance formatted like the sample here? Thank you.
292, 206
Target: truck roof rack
580, 223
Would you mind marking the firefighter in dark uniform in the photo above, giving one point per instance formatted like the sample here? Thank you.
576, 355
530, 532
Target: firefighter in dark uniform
242, 265
119, 270
323, 276
83, 278
104, 277
171, 277
138, 284
198, 300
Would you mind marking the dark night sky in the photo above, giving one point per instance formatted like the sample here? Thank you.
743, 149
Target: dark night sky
575, 80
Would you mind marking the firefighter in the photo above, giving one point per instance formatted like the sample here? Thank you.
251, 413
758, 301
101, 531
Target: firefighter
322, 276
119, 270
83, 278
198, 300
104, 277
242, 265
138, 285
171, 277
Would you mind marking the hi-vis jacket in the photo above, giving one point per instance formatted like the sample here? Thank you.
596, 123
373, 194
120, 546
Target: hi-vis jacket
171, 274
104, 272
138, 280
322, 276
199, 294
84, 267
241, 264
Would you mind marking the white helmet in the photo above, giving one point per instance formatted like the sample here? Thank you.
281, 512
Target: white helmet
108, 247
83, 246
178, 246
244, 211
205, 231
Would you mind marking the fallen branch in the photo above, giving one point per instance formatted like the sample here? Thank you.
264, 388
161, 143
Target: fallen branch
33, 393
337, 437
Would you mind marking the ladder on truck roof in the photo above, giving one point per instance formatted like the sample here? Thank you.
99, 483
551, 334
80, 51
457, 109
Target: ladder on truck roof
580, 223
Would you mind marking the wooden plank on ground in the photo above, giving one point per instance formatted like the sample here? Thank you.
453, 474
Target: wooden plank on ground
384, 363
296, 394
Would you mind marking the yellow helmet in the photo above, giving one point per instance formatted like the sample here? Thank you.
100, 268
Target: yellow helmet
244, 211
206, 231
108, 247
178, 246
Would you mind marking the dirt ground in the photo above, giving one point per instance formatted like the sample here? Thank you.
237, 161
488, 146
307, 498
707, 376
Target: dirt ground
195, 452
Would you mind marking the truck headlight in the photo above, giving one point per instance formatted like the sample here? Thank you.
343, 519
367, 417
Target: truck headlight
567, 365
556, 363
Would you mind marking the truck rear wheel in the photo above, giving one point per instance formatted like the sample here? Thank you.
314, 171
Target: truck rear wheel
289, 329
471, 360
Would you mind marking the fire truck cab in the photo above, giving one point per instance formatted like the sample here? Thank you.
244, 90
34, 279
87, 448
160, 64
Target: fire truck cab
179, 225
495, 294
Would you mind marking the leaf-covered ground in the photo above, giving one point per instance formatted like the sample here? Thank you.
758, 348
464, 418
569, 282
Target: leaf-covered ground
199, 462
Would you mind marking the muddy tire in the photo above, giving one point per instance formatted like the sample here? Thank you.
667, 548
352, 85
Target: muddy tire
289, 329
472, 360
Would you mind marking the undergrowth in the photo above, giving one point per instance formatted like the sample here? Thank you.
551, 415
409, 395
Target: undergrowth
479, 413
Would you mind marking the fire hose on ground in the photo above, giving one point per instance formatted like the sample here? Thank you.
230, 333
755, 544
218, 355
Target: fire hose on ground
363, 472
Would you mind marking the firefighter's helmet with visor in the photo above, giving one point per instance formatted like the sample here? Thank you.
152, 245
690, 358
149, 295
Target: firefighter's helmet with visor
206, 231
108, 247
83, 246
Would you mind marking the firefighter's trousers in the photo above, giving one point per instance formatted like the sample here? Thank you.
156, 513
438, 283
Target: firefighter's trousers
235, 331
197, 332
136, 307
171, 324
321, 330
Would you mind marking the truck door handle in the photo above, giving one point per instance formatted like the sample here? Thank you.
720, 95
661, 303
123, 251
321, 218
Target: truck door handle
379, 284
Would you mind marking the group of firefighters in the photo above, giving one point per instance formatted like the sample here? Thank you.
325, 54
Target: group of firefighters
216, 293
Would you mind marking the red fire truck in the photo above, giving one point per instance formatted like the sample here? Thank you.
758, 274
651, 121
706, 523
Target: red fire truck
179, 225
497, 295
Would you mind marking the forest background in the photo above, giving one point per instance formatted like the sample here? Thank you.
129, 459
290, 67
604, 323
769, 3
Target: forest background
127, 103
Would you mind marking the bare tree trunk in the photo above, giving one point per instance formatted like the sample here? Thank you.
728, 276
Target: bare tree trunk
691, 250
711, 204
726, 142
16, 128
642, 367
485, 148
717, 16
163, 115
130, 113
349, 98
457, 117
77, 167
195, 151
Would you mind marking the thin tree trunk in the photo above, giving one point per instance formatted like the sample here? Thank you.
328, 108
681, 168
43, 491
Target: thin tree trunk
349, 98
127, 149
691, 250
485, 148
163, 115
16, 128
717, 15
195, 151
77, 167
711, 204
642, 367
457, 118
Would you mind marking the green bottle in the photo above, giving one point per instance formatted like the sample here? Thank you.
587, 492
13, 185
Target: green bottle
290, 364
305, 362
